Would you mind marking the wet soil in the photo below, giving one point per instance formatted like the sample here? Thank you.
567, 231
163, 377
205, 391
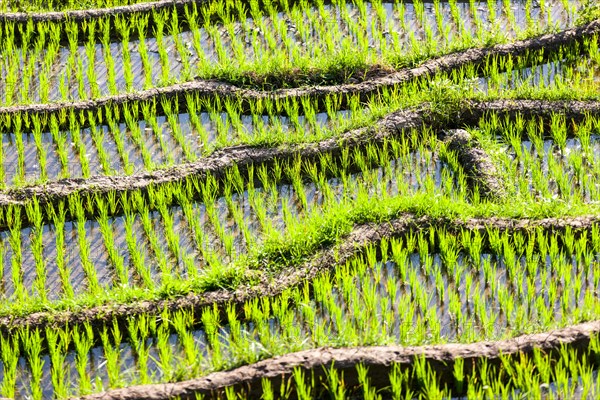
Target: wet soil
573, 110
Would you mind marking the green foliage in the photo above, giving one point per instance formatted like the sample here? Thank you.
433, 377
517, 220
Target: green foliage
256, 223
588, 11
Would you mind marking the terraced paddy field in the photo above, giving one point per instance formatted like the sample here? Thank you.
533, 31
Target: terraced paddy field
274, 199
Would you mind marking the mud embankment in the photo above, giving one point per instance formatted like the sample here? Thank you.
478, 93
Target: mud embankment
366, 89
478, 166
273, 284
380, 361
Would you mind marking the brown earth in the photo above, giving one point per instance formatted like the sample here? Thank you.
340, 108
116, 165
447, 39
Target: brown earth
472, 111
378, 359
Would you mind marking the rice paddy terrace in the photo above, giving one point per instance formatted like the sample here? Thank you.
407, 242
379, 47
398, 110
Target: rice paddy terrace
273, 199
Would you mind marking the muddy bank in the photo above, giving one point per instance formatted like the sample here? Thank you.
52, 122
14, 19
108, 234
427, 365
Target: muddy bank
393, 125
273, 284
211, 89
79, 15
478, 166
216, 165
94, 13
470, 112
379, 360
21, 20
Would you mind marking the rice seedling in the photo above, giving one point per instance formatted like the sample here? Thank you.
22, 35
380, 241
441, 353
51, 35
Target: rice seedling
325, 232
268, 56
129, 142
349, 313
554, 157
162, 252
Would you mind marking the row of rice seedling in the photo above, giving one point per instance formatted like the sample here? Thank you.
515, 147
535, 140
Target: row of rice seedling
176, 237
499, 69
561, 73
136, 136
25, 266
535, 376
156, 257
55, 5
555, 77
338, 41
430, 287
190, 14
124, 140
554, 159
87, 265
493, 68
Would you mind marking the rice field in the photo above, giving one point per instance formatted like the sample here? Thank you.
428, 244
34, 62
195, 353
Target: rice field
231, 199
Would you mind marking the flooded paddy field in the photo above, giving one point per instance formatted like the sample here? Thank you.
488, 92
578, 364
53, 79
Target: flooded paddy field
346, 199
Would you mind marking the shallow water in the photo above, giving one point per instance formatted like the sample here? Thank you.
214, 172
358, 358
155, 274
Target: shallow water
222, 235
162, 141
398, 30
387, 294
552, 173
157, 143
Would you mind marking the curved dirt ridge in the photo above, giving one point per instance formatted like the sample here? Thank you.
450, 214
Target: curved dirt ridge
216, 164
327, 259
477, 164
379, 360
470, 112
466, 114
211, 88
